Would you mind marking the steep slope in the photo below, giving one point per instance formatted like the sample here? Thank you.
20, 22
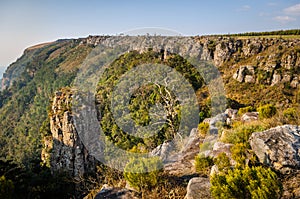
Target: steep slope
28, 87
256, 71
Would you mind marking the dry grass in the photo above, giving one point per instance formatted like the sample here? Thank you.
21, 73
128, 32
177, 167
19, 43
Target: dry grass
39, 46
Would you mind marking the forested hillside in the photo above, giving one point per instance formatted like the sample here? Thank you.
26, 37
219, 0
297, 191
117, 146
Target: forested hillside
259, 75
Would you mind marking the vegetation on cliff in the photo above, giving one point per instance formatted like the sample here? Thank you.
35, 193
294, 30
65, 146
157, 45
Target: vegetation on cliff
259, 75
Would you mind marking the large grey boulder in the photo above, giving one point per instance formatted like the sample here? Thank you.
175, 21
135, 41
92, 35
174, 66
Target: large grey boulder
182, 163
278, 147
216, 121
163, 150
198, 188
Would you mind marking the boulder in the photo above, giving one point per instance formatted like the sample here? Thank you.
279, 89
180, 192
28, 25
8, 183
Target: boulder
221, 147
288, 61
286, 78
222, 53
252, 47
276, 78
245, 74
278, 147
249, 116
198, 187
163, 150
220, 118
249, 79
232, 113
182, 163
295, 82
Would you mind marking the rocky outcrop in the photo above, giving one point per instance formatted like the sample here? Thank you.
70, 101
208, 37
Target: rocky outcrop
252, 47
290, 61
295, 82
63, 149
232, 113
249, 116
278, 147
182, 163
223, 52
163, 151
217, 121
245, 74
198, 187
220, 147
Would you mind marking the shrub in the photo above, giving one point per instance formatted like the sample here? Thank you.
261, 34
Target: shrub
203, 164
267, 111
203, 128
143, 173
290, 114
222, 161
206, 146
245, 110
241, 132
238, 153
251, 182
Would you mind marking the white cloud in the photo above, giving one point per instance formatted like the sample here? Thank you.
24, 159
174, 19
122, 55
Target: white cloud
284, 19
244, 8
293, 10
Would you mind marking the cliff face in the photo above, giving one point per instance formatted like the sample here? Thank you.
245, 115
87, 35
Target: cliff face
63, 150
272, 55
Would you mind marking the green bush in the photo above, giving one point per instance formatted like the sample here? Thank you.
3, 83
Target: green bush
238, 153
206, 146
203, 164
245, 110
290, 113
143, 173
222, 161
266, 111
241, 133
203, 128
251, 182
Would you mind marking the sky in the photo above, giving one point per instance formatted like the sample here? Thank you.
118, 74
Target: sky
24, 23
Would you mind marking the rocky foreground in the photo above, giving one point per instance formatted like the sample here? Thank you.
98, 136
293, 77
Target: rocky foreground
278, 148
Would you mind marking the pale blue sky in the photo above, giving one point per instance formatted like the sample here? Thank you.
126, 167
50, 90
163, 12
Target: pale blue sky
27, 22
